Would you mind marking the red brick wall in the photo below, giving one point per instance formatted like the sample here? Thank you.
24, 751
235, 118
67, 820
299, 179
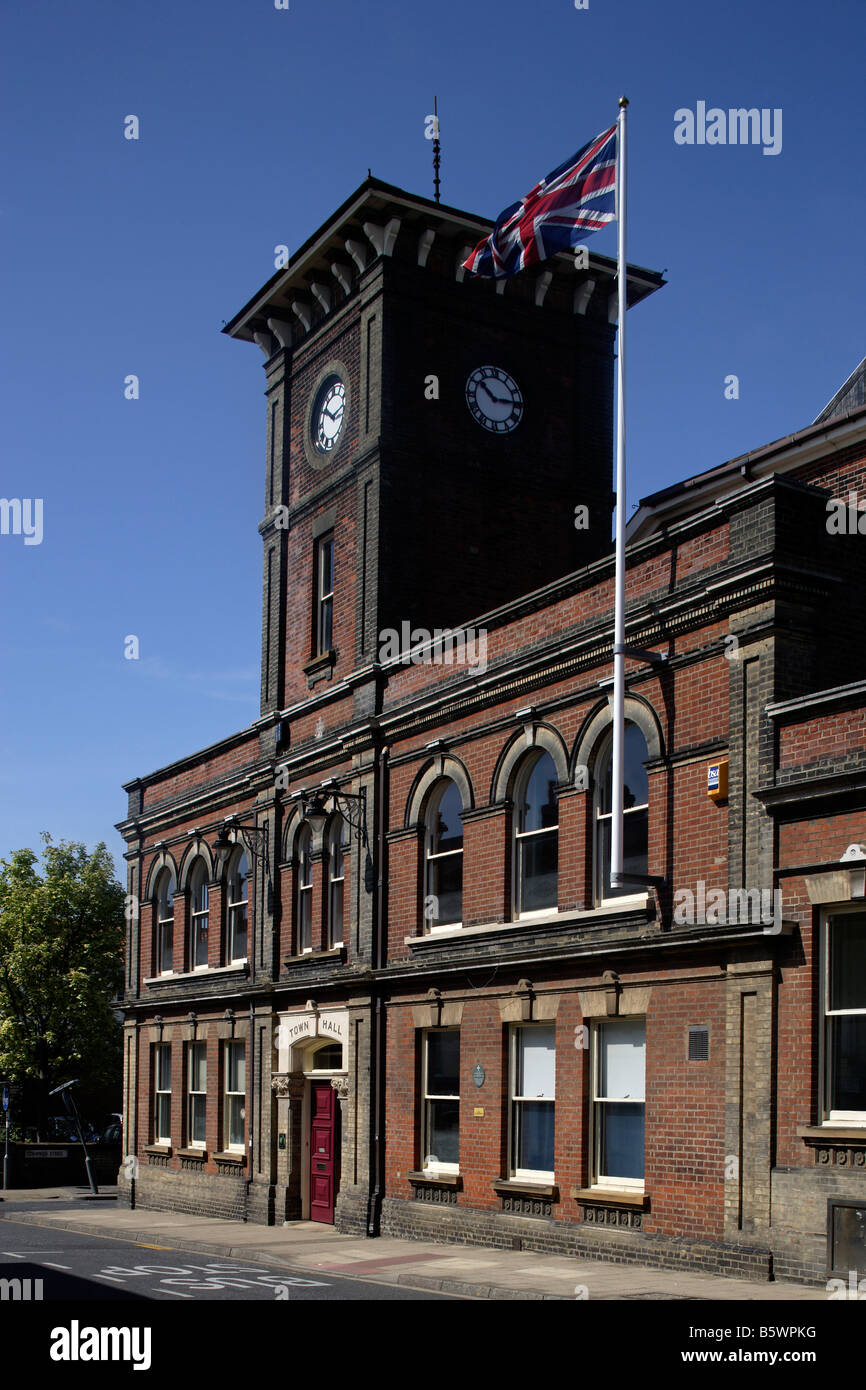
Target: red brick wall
820, 840
171, 1035
799, 1009
199, 773
177, 844
685, 1105
810, 742
685, 1112
838, 473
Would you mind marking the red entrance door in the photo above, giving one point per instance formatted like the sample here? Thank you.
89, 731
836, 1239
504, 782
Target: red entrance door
323, 1155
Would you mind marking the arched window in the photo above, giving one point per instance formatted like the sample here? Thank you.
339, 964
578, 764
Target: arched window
198, 934
327, 1058
635, 827
304, 861
165, 890
443, 887
536, 835
337, 845
237, 906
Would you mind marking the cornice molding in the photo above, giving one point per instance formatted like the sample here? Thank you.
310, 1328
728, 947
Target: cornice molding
837, 786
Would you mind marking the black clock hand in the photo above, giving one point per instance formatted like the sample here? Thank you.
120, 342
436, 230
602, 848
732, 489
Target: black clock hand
500, 400
497, 400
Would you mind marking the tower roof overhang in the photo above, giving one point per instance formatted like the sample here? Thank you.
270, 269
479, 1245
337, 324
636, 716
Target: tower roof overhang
364, 220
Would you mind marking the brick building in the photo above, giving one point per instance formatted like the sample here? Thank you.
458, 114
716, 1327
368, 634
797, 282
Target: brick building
378, 976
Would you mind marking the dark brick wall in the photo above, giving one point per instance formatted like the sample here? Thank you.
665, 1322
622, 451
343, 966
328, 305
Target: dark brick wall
417, 1221
799, 1238
225, 1198
471, 519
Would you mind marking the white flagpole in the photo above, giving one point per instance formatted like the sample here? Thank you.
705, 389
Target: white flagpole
617, 768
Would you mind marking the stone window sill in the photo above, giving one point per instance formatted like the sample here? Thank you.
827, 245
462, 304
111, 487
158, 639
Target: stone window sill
321, 667
197, 1155
589, 917
335, 954
230, 1157
522, 1187
833, 1132
610, 1197
238, 967
165, 1150
436, 1180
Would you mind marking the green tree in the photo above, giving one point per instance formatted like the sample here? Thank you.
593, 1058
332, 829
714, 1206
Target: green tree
61, 966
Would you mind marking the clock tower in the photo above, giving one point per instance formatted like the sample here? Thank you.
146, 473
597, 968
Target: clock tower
437, 445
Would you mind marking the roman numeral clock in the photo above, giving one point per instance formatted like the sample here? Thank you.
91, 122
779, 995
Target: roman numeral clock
328, 414
494, 399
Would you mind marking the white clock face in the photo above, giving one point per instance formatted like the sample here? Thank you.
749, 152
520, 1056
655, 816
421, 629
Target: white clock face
494, 399
329, 414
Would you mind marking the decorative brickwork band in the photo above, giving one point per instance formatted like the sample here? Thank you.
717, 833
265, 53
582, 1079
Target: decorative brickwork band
518, 1205
835, 1157
611, 1216
438, 1196
229, 1166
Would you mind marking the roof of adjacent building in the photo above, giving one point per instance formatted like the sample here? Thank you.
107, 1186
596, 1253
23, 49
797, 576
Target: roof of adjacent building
669, 504
850, 396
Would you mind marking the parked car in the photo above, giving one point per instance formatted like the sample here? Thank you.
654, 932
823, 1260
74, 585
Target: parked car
64, 1127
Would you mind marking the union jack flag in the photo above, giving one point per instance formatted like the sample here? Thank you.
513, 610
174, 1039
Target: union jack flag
574, 201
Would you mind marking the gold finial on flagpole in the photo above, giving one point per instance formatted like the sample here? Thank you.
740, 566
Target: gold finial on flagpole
623, 101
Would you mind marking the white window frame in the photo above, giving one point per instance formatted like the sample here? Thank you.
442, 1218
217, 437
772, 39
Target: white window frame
324, 597
833, 1117
606, 1181
234, 906
527, 1174
337, 822
621, 899
164, 924
432, 858
197, 915
313, 1068
161, 1054
304, 891
518, 836
231, 1098
194, 1097
426, 1097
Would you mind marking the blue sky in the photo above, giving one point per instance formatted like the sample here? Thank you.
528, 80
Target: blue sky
255, 123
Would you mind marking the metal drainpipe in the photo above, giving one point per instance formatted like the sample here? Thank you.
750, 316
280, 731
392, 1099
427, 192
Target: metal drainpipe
133, 987
252, 1109
379, 953
260, 898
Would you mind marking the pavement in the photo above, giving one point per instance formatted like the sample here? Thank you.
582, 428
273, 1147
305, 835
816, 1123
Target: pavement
465, 1271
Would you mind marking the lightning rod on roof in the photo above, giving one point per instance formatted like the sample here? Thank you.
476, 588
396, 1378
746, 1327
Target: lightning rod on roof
437, 150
